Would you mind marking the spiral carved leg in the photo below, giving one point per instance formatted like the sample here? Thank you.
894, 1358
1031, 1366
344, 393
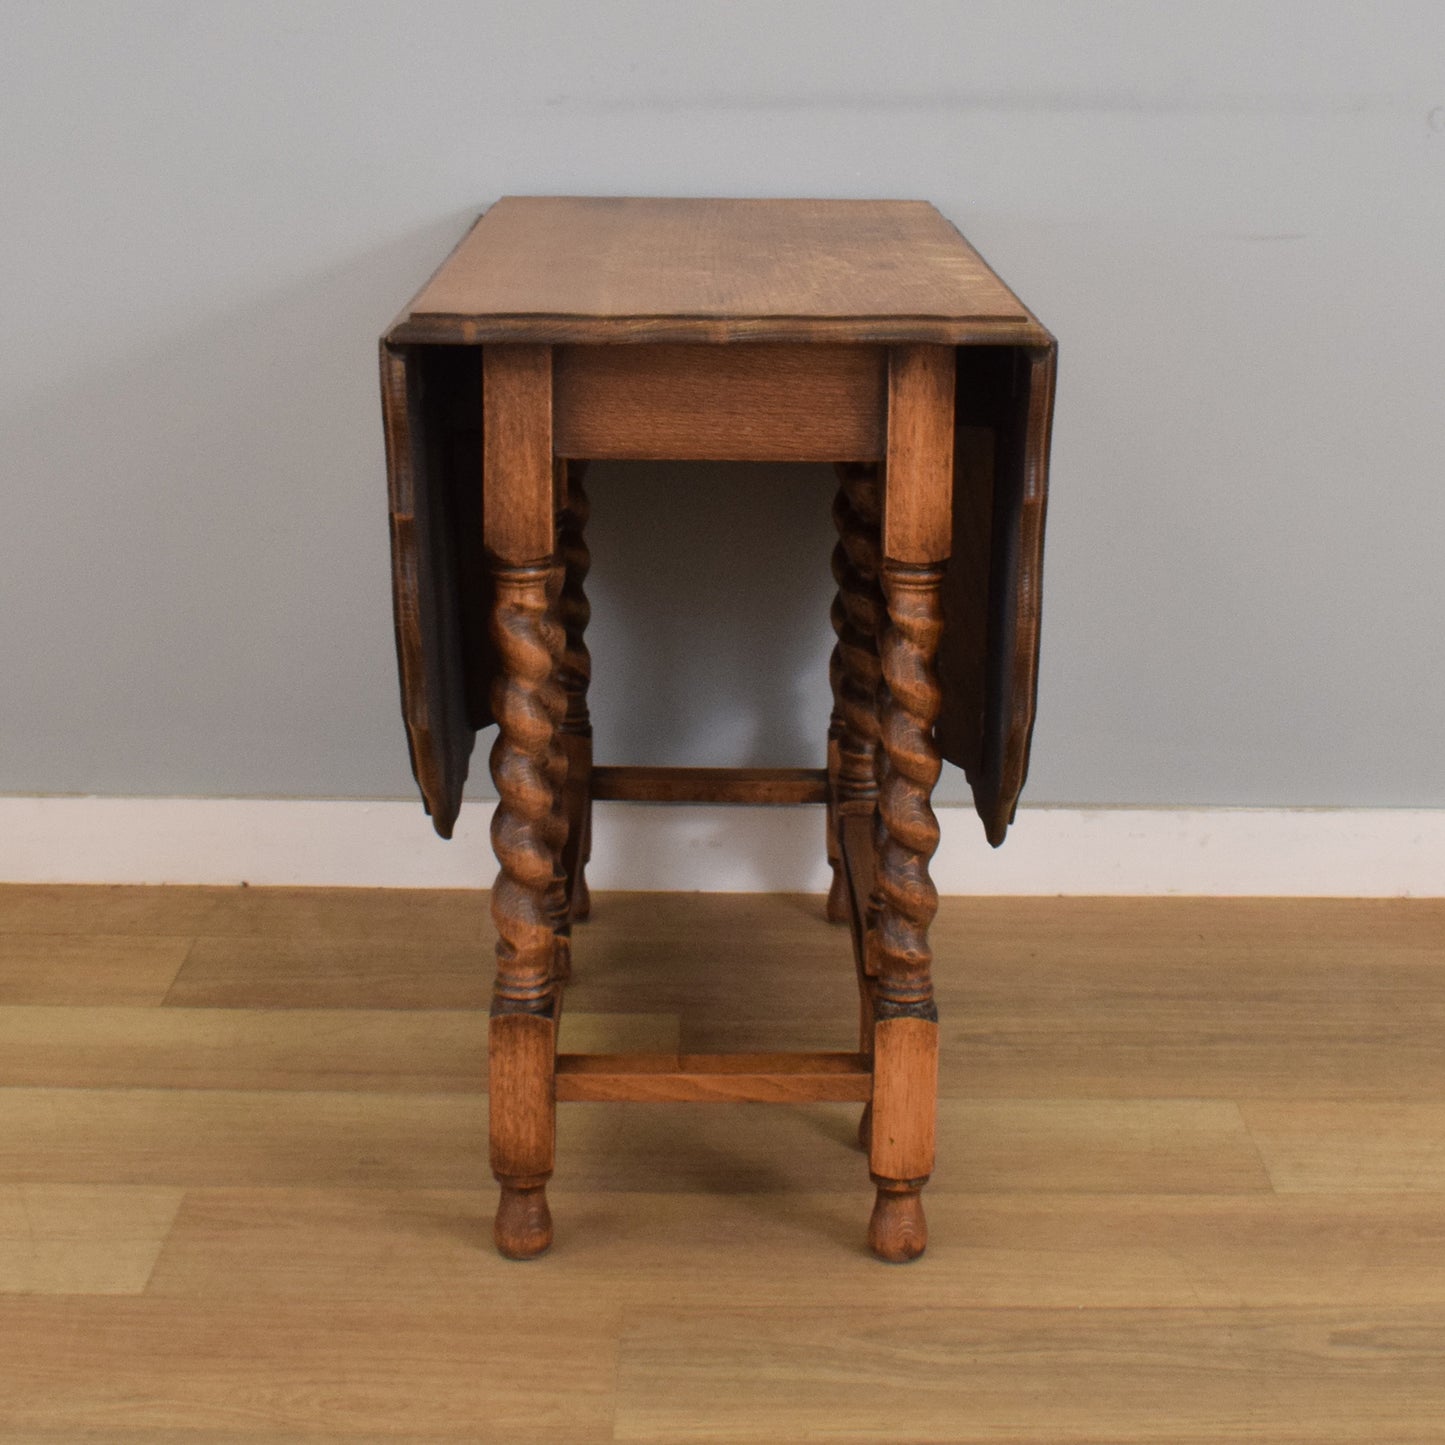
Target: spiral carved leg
906, 1020
854, 670
529, 705
575, 613
907, 897
836, 908
527, 702
555, 834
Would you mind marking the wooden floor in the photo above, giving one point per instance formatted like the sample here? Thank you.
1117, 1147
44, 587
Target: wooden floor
1191, 1182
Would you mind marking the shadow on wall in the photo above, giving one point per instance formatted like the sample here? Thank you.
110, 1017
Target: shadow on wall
711, 587
710, 638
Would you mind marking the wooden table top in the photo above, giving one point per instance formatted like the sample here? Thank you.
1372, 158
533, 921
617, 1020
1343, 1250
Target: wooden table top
608, 269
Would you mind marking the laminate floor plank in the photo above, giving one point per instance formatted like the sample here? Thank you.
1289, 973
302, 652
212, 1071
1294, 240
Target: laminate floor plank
961, 1376
485, 1369
985, 1146
640, 1250
1223, 1058
456, 915
193, 1137
1064, 1251
186, 1137
346, 971
121, 1435
60, 1239
112, 908
1230, 928
714, 960
1229, 1054
380, 1050
986, 927
88, 969
1333, 1145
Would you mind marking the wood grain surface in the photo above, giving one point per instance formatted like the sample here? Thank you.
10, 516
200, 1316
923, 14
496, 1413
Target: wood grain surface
993, 588
518, 519
918, 472
601, 269
1188, 1188
778, 1078
441, 591
743, 403
710, 785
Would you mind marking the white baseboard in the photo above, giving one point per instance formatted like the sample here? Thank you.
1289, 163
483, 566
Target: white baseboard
1347, 852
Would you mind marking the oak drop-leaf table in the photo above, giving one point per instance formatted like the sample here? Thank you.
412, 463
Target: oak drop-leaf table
868, 334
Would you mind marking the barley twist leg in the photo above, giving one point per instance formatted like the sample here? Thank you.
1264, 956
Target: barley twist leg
906, 1027
575, 613
859, 614
854, 669
556, 830
528, 704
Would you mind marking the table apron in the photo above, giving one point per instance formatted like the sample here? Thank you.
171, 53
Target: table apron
745, 402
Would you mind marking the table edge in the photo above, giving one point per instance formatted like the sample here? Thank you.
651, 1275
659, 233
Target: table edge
455, 330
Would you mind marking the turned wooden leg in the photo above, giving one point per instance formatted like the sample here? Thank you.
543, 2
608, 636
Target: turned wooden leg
576, 612
905, 1036
854, 668
528, 703
856, 674
555, 834
836, 907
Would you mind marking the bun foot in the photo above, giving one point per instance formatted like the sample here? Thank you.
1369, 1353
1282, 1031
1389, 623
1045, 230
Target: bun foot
865, 1128
524, 1223
837, 905
898, 1231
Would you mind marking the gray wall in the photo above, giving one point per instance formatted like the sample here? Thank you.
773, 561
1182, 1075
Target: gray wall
1232, 214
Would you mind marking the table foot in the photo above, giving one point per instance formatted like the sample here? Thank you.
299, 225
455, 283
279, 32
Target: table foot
838, 909
865, 1128
523, 1227
898, 1232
